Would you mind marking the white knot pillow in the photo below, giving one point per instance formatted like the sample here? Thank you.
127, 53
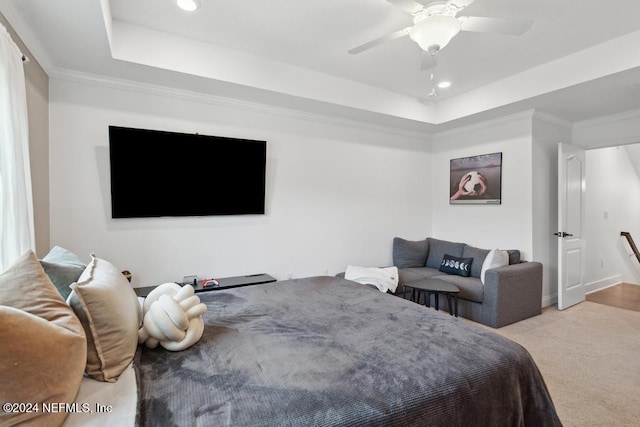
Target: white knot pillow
172, 317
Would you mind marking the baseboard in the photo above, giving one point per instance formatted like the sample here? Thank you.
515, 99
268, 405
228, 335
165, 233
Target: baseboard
602, 284
549, 300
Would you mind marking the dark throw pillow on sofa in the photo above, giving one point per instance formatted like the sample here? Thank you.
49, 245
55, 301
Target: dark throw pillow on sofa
408, 254
454, 265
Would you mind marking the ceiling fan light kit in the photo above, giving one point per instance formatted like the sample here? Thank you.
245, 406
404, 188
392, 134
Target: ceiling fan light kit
434, 32
188, 5
436, 23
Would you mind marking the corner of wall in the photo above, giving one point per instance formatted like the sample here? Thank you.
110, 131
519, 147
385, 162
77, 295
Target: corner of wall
507, 225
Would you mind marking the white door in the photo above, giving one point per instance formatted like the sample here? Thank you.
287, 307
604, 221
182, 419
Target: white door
571, 187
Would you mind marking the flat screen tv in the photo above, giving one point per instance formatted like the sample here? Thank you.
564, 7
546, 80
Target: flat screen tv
157, 173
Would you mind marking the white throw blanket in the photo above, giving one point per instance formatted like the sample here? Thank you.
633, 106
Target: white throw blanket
385, 279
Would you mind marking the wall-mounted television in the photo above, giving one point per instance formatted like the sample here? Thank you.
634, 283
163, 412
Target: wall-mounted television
156, 173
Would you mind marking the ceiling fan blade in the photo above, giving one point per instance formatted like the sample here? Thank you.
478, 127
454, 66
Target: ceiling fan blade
460, 4
477, 24
373, 43
428, 61
410, 6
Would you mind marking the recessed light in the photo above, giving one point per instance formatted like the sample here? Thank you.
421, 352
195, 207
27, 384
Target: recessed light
444, 84
188, 5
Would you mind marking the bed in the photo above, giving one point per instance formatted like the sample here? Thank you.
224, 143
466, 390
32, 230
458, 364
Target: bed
318, 351
326, 351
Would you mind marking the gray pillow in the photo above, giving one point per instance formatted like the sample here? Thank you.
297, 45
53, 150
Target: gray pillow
478, 256
438, 248
63, 268
408, 253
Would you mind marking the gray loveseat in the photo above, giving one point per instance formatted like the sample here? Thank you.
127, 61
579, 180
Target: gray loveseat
509, 294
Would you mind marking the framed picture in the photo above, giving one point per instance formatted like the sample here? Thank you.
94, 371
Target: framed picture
476, 180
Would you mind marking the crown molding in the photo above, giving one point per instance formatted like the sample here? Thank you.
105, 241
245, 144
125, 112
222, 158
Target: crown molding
548, 118
608, 131
227, 102
607, 120
529, 114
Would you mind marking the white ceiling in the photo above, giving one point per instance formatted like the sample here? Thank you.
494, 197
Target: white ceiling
579, 60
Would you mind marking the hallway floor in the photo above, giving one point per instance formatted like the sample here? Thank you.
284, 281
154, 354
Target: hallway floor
623, 295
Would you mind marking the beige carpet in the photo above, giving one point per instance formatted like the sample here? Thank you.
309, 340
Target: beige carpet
589, 355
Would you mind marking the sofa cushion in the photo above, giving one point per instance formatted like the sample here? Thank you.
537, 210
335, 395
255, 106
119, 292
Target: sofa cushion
408, 275
455, 265
478, 256
438, 248
471, 288
408, 253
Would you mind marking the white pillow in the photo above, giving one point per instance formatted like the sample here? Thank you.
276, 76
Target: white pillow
495, 258
382, 278
172, 317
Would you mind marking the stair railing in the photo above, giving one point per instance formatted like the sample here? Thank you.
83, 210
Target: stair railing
627, 235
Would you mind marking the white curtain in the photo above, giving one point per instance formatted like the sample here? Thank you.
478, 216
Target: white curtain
16, 202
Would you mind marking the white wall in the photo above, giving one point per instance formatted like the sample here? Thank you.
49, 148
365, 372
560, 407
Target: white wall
633, 150
612, 205
337, 193
547, 133
527, 216
505, 226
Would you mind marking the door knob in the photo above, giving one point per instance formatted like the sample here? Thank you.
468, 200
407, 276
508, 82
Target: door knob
562, 234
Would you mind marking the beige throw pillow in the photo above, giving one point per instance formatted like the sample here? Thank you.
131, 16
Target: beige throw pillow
43, 351
110, 313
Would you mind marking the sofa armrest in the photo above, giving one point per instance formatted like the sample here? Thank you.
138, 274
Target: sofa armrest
513, 293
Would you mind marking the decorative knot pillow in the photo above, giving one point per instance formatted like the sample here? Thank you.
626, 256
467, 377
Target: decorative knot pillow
454, 265
172, 317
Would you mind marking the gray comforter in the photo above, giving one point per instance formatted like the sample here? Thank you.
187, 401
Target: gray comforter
325, 351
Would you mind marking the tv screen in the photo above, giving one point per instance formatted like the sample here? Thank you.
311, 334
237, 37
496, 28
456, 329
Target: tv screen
156, 173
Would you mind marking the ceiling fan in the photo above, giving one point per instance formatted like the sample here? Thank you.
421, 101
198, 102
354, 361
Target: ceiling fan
436, 23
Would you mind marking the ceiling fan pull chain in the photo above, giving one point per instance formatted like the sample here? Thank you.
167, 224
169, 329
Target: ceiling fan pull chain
432, 76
